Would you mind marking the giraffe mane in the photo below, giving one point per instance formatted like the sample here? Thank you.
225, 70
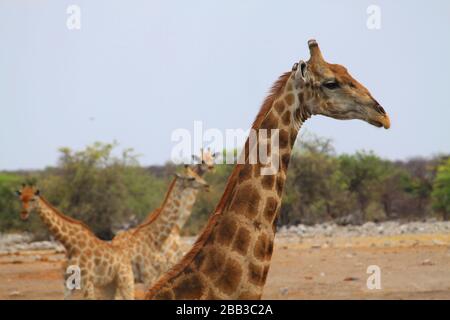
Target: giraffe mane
67, 218
155, 213
273, 94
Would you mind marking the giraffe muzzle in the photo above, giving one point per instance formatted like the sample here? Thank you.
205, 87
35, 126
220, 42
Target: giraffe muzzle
386, 122
379, 118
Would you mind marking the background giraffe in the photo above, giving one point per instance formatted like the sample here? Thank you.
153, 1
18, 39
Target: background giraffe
231, 258
154, 246
171, 249
101, 263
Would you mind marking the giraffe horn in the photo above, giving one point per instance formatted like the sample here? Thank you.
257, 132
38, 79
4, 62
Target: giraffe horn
314, 50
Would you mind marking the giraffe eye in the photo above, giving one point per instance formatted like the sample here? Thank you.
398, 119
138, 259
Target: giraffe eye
331, 85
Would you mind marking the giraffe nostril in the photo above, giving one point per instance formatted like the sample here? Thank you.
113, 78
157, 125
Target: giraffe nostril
380, 109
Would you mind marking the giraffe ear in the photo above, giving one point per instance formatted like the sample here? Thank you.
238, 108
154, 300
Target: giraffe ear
301, 71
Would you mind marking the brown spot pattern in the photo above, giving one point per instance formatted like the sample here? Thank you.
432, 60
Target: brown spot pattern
285, 158
190, 287
268, 181
245, 172
270, 209
242, 241
255, 274
230, 278
283, 138
279, 106
289, 99
226, 230
260, 249
213, 264
286, 118
246, 201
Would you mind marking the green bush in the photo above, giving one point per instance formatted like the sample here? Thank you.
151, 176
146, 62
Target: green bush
441, 190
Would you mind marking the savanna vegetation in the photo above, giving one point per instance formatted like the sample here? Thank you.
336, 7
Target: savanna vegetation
109, 191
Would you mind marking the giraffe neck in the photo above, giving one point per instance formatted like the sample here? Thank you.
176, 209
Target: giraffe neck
231, 258
187, 201
172, 215
62, 227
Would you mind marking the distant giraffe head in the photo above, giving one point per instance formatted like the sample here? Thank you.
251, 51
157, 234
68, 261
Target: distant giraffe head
191, 179
329, 90
205, 163
28, 197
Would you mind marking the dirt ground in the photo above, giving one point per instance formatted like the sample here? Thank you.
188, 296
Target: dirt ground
412, 267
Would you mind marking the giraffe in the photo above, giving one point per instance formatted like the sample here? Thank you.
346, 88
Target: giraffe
153, 246
171, 248
231, 257
101, 263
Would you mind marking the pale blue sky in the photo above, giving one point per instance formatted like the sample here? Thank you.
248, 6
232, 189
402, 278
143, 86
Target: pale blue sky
137, 70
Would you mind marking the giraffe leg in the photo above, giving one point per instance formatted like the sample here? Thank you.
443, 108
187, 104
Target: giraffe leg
89, 290
125, 283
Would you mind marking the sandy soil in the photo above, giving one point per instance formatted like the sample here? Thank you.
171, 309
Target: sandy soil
412, 267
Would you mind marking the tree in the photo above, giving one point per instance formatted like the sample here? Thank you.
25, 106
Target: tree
441, 190
419, 183
393, 198
9, 203
363, 173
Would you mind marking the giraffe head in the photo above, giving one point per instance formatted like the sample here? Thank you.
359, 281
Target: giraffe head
329, 90
28, 195
192, 179
206, 161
